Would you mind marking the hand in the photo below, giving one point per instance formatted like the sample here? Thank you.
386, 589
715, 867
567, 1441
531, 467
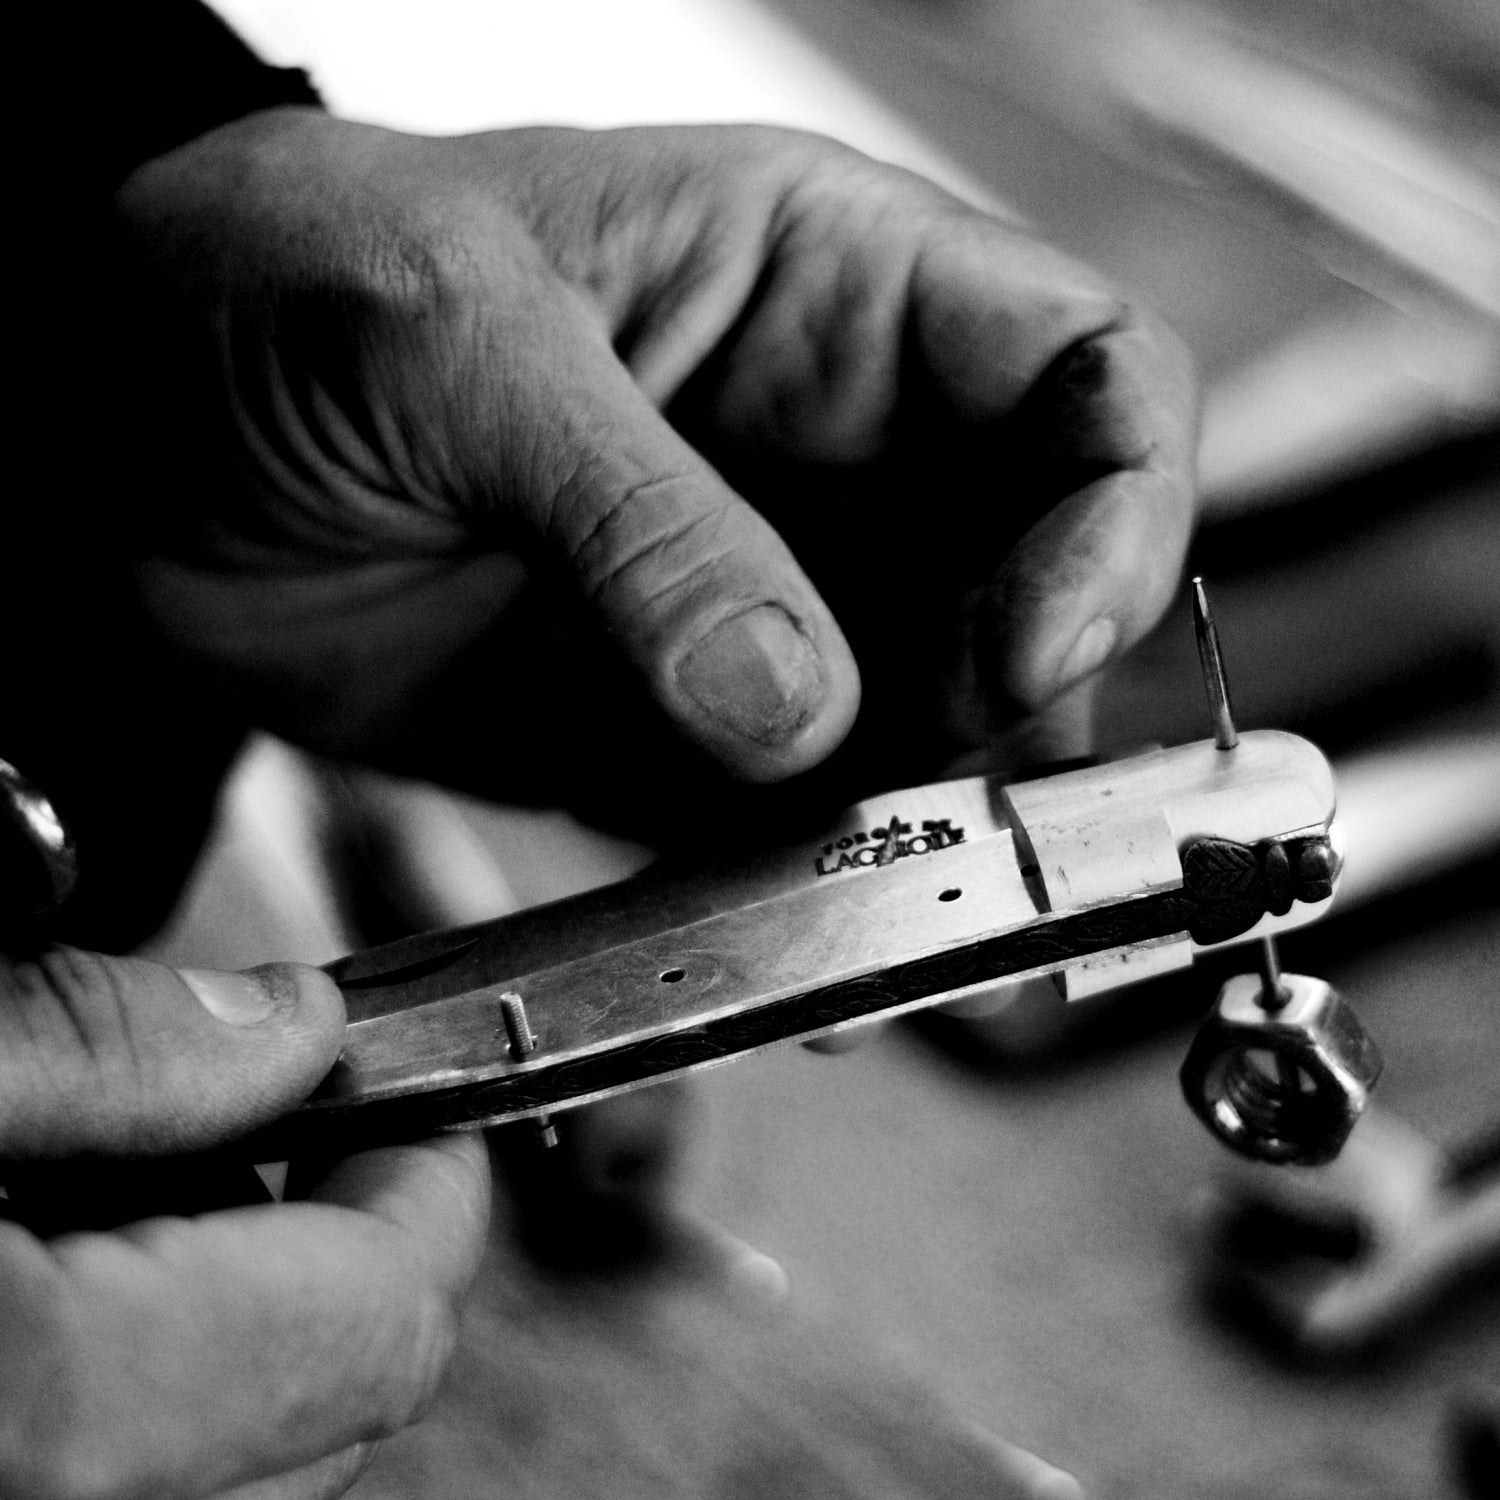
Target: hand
557, 465
186, 1357
586, 467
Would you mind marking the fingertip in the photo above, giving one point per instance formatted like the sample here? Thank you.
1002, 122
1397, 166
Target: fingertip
233, 998
1053, 658
324, 1479
308, 1001
290, 1012
1094, 646
122, 1056
757, 674
1057, 1485
286, 992
274, 1061
696, 588
767, 690
1087, 582
437, 1191
1025, 1474
837, 1043
750, 1278
757, 1279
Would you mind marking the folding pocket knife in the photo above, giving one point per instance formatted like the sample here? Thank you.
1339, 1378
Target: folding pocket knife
1099, 876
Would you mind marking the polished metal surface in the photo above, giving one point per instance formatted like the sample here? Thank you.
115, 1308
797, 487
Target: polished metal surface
1274, 991
683, 974
915, 897
517, 1025
1284, 1085
38, 861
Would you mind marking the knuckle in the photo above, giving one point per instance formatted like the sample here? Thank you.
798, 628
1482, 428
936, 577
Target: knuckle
72, 1039
648, 543
410, 261
168, 1241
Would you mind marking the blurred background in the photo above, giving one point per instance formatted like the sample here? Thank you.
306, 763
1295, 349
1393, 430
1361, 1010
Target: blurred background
1310, 193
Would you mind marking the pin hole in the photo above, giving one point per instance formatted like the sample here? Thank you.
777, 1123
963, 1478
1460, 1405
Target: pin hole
951, 894
672, 976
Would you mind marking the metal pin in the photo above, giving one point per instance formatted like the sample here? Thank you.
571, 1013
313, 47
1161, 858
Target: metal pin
522, 1045
517, 1026
1274, 991
1215, 683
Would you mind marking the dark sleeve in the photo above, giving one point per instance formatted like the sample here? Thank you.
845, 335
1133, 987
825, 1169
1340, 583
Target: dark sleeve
140, 79
93, 710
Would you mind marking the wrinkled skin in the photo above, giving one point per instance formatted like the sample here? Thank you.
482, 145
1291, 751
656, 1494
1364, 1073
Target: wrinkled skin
477, 402
672, 475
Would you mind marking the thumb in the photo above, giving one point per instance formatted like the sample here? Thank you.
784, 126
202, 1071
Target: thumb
695, 588
120, 1056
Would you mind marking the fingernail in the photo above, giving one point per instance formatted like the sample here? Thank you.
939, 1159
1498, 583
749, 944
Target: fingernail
757, 1279
756, 673
237, 999
1095, 641
749, 1276
1058, 1485
1027, 1474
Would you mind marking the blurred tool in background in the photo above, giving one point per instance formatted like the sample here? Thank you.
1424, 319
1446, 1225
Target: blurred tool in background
1330, 1264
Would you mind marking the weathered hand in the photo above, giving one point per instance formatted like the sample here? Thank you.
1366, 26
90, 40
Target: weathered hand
568, 466
181, 1357
587, 466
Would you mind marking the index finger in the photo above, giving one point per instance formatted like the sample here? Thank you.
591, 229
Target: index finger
1094, 411
1040, 428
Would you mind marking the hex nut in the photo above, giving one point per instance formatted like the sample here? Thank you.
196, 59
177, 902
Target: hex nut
1284, 1085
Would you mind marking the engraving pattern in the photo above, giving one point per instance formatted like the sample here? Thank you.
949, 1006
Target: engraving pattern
1227, 887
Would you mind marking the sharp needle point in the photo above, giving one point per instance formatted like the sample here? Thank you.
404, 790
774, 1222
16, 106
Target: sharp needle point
1214, 681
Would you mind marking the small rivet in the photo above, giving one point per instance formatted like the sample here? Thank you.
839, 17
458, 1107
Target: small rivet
517, 1026
1275, 993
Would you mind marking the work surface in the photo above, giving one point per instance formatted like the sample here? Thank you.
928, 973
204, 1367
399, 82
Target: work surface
1013, 1240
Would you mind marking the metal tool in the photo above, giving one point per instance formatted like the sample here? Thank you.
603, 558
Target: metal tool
1282, 1069
1099, 877
1329, 1264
